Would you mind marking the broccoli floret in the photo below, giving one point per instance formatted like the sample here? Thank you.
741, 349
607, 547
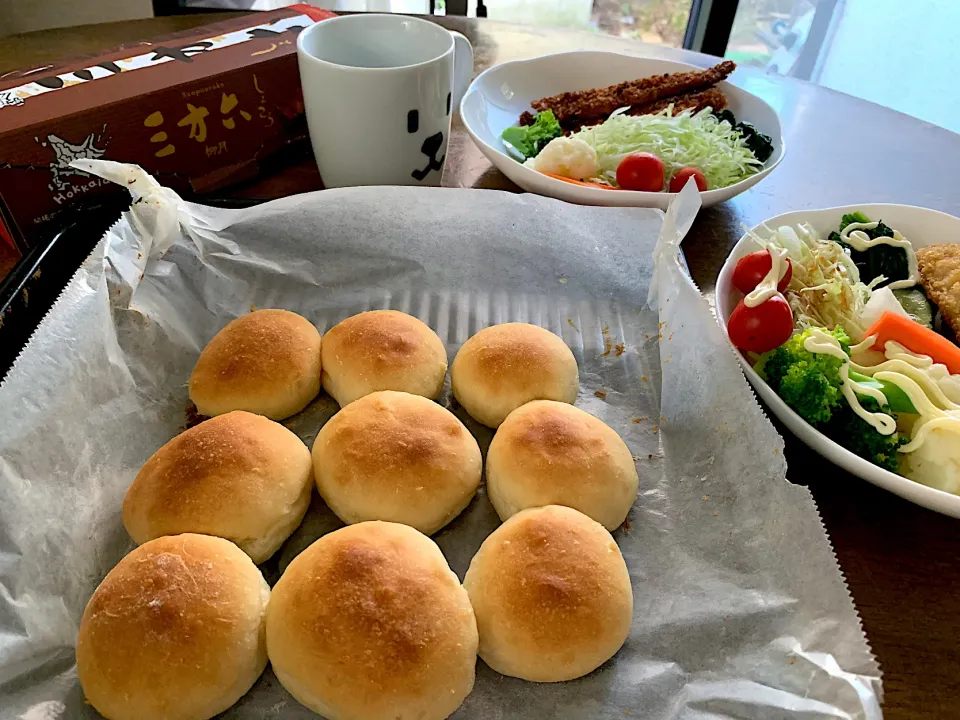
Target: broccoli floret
808, 382
861, 438
531, 139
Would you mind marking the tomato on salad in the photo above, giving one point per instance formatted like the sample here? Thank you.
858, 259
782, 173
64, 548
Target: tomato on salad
763, 327
641, 171
681, 176
752, 268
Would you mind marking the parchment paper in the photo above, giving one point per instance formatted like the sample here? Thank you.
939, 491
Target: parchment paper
740, 608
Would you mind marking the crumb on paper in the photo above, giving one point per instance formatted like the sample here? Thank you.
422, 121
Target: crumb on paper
793, 661
605, 329
253, 308
636, 458
600, 394
572, 324
619, 349
638, 420
139, 256
36, 275
716, 513
563, 281
656, 428
670, 337
705, 497
643, 378
650, 456
626, 526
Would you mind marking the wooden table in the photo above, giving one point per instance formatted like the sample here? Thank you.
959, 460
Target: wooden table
902, 562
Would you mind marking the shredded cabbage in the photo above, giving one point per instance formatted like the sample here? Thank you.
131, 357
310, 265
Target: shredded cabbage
825, 290
700, 140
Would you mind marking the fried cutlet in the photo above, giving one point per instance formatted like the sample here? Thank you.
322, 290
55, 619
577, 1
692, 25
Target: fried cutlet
711, 98
581, 106
939, 267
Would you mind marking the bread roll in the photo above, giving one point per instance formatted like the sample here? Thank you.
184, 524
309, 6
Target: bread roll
382, 350
176, 631
397, 457
238, 476
551, 453
267, 362
551, 594
369, 623
504, 366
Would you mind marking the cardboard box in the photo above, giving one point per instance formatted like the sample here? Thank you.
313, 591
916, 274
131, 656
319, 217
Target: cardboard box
200, 110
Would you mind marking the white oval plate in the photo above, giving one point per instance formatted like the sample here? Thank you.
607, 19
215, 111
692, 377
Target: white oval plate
497, 96
921, 227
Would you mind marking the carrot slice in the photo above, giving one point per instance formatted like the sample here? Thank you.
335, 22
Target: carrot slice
579, 182
916, 338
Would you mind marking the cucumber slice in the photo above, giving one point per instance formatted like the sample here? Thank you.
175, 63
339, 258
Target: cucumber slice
914, 301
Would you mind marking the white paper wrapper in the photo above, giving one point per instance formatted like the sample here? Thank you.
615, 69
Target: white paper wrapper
740, 608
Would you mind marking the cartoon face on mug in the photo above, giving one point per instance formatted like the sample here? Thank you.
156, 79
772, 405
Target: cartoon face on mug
431, 145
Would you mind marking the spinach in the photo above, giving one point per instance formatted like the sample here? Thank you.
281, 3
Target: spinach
886, 260
759, 144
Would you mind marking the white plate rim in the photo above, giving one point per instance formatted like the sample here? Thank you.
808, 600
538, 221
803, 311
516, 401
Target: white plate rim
596, 196
931, 498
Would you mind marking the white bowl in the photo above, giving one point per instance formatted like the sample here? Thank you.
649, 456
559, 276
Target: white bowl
921, 227
496, 98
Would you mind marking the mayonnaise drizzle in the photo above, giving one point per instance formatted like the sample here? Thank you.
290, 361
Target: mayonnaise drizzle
824, 343
864, 345
933, 418
768, 286
895, 351
854, 236
916, 375
881, 422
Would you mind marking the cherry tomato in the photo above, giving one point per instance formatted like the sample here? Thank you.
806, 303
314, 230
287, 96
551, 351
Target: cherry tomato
681, 176
640, 171
764, 327
752, 268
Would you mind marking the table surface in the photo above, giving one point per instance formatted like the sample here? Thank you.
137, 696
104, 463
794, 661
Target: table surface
901, 561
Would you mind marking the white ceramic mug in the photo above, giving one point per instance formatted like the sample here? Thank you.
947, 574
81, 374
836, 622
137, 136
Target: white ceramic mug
379, 92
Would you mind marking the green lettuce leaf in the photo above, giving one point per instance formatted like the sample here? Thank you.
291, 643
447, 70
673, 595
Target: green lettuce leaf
529, 140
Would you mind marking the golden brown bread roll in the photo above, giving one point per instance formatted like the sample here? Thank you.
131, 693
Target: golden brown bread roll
397, 457
176, 631
551, 453
504, 366
551, 594
266, 362
370, 623
382, 350
238, 476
